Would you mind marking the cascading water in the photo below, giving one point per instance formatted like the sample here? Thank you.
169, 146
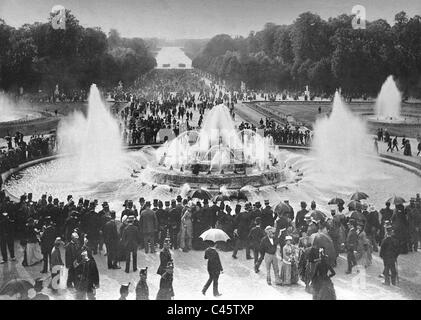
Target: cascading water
388, 103
341, 145
95, 141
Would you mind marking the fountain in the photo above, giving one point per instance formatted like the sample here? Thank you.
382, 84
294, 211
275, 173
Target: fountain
94, 142
388, 112
218, 158
388, 104
217, 155
13, 112
341, 143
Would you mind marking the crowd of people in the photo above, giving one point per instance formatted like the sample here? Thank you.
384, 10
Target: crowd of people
308, 242
19, 151
384, 135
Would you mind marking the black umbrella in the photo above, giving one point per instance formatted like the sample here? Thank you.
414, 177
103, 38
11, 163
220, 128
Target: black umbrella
396, 200
321, 240
359, 196
281, 209
355, 205
336, 201
16, 286
238, 195
221, 197
200, 194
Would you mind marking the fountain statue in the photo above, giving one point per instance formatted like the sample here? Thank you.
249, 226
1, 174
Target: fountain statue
217, 155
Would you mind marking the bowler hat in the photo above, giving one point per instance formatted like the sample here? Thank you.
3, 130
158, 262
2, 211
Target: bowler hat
167, 203
179, 198
105, 204
266, 202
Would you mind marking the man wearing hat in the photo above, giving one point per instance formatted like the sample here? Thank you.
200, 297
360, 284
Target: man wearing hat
142, 289
48, 237
268, 246
291, 210
162, 217
212, 213
124, 291
72, 252
164, 257
412, 215
242, 224
38, 286
351, 245
148, 226
111, 238
214, 269
385, 215
130, 240
175, 223
389, 252
300, 222
255, 237
7, 227
166, 291
268, 217
72, 222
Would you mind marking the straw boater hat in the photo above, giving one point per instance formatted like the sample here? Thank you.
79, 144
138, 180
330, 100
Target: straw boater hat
288, 238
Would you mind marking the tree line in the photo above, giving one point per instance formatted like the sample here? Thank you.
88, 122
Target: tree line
322, 54
37, 57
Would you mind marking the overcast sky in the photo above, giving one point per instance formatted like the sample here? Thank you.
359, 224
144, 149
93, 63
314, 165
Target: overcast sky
172, 19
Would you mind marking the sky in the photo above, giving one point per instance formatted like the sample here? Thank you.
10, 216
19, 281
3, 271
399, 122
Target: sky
182, 19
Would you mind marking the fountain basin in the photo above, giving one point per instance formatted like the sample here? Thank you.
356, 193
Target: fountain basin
216, 180
406, 125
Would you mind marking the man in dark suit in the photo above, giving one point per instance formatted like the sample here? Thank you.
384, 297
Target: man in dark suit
300, 221
268, 218
214, 269
111, 241
47, 243
148, 225
130, 239
351, 245
242, 224
389, 251
255, 237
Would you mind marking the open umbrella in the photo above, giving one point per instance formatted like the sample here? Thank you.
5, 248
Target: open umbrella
238, 195
200, 194
396, 200
214, 235
317, 215
359, 196
16, 286
355, 205
281, 209
221, 197
322, 240
336, 201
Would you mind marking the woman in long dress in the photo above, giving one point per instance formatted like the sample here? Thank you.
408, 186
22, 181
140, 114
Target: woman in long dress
322, 285
289, 269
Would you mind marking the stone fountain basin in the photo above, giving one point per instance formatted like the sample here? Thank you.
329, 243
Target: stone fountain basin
214, 181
